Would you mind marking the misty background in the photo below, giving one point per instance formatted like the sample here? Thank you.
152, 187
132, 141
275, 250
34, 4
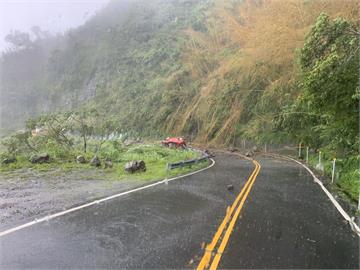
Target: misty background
61, 56
50, 15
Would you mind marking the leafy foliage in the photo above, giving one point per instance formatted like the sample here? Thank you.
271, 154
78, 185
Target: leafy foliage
329, 70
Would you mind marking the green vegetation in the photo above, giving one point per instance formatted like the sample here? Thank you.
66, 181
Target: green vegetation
218, 72
326, 113
346, 175
87, 133
156, 158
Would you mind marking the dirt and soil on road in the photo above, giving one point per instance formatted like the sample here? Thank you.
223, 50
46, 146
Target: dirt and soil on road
28, 194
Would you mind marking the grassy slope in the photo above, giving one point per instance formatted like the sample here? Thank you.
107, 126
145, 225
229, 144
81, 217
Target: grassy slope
347, 173
155, 157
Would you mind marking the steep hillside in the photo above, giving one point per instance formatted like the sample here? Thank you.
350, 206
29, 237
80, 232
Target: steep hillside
217, 71
246, 62
119, 60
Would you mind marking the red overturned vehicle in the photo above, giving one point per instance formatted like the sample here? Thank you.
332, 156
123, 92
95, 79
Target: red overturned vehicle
175, 142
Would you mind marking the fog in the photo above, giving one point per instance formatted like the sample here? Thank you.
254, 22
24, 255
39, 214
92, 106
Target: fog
127, 127
55, 16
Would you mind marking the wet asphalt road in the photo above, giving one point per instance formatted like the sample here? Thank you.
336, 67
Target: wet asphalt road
286, 222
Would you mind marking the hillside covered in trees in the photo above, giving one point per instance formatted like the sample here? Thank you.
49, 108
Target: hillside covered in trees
216, 71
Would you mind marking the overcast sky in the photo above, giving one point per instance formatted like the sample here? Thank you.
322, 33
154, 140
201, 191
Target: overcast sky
53, 15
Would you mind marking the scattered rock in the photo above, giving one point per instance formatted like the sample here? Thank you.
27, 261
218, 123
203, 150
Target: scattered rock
208, 154
129, 142
108, 163
233, 149
172, 145
40, 158
311, 240
7, 205
95, 161
9, 160
80, 159
230, 187
249, 153
135, 166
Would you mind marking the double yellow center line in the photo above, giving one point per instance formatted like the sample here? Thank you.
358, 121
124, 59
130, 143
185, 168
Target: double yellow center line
215, 249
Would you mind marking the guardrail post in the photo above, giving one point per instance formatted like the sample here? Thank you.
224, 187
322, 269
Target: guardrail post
333, 171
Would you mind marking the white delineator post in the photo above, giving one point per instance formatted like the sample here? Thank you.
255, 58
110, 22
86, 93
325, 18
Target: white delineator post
307, 154
333, 171
319, 166
300, 150
265, 148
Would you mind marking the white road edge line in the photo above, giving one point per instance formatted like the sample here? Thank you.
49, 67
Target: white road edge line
36, 221
345, 215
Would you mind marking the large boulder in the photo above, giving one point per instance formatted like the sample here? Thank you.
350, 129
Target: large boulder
80, 159
40, 158
9, 160
95, 161
135, 166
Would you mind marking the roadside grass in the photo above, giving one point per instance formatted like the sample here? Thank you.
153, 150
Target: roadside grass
156, 170
24, 163
155, 157
347, 173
